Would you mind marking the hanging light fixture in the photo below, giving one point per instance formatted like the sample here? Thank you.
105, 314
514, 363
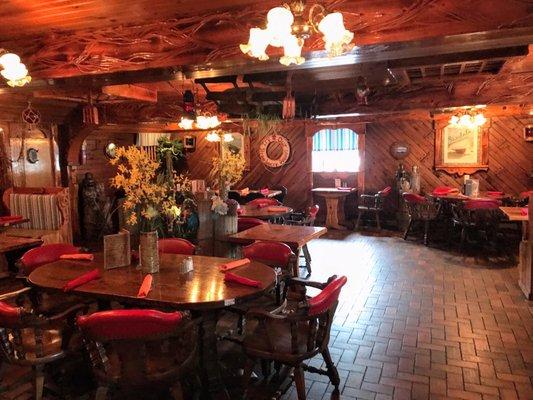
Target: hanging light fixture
288, 28
218, 136
13, 70
195, 119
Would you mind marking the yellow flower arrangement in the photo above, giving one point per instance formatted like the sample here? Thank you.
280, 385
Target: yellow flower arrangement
147, 195
229, 169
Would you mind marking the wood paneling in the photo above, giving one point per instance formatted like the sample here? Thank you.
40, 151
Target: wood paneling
510, 156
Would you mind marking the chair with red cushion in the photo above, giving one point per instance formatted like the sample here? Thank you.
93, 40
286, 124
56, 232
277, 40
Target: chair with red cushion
420, 210
294, 333
477, 216
135, 350
34, 340
176, 246
244, 223
263, 202
372, 203
42, 255
305, 219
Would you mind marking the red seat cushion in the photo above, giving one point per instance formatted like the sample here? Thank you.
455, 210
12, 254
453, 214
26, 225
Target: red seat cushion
277, 253
414, 198
244, 223
385, 192
128, 324
9, 315
327, 297
46, 254
176, 246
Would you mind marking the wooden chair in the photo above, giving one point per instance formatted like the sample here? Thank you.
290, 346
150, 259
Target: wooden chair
280, 197
244, 223
176, 246
372, 203
33, 340
135, 350
420, 210
292, 335
481, 216
304, 219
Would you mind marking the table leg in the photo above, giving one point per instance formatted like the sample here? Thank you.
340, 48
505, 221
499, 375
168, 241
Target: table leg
4, 266
332, 213
213, 385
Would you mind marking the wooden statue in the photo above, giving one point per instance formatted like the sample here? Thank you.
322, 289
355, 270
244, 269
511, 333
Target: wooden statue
95, 208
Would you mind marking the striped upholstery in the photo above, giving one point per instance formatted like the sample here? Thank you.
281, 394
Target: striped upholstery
41, 209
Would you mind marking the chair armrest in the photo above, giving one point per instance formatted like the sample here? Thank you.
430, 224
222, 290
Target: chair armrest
303, 282
67, 313
368, 196
16, 293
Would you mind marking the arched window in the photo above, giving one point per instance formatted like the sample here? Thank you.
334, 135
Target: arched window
335, 150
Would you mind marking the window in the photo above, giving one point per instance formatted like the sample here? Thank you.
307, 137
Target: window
335, 150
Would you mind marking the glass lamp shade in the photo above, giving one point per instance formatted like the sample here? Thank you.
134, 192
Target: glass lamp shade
279, 23
480, 119
202, 122
228, 137
335, 34
454, 120
465, 120
213, 121
213, 137
257, 44
15, 72
292, 51
9, 59
186, 123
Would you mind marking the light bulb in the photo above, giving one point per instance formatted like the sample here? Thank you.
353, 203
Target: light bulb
480, 119
9, 59
257, 44
213, 137
466, 120
186, 123
292, 51
228, 137
279, 23
202, 122
336, 36
454, 120
213, 121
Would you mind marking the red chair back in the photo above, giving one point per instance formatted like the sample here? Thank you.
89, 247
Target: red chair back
481, 205
264, 202
244, 223
327, 297
128, 324
385, 192
313, 211
275, 253
45, 254
10, 317
414, 198
176, 246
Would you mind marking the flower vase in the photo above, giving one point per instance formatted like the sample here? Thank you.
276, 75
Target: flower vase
149, 252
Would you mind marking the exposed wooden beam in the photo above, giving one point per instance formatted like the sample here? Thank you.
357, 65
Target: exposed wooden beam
131, 92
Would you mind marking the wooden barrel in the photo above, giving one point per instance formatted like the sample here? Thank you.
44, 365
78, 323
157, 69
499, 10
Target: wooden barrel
224, 225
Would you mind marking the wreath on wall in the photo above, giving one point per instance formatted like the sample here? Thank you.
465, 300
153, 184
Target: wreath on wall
282, 159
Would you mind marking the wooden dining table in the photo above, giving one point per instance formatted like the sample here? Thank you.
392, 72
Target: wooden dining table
9, 244
264, 213
334, 198
202, 291
295, 236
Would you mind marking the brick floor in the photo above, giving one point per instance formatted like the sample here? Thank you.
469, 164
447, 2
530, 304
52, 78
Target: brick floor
416, 322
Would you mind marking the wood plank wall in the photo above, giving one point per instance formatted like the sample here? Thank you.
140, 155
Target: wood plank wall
510, 156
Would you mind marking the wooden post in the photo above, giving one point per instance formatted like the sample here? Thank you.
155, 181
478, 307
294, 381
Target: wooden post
224, 225
205, 230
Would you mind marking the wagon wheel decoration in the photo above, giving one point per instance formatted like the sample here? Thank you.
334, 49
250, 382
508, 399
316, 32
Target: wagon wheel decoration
280, 161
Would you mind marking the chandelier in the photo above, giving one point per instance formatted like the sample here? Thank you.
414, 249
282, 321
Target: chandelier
468, 120
13, 70
288, 28
196, 120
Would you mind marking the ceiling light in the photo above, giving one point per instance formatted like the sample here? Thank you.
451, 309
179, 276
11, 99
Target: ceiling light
336, 36
228, 137
213, 137
257, 44
186, 123
13, 70
468, 119
292, 51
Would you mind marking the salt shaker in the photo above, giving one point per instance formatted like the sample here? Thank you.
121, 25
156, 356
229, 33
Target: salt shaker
188, 264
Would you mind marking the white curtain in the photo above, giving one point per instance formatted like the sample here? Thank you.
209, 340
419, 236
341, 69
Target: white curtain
149, 138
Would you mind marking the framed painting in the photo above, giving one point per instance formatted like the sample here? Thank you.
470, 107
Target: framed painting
239, 144
459, 150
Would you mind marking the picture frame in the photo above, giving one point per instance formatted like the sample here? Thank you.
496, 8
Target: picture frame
528, 133
459, 150
189, 142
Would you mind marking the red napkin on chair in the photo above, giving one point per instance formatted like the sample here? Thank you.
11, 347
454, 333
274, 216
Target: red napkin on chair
77, 257
146, 286
264, 191
10, 218
234, 264
231, 277
82, 280
277, 209
524, 211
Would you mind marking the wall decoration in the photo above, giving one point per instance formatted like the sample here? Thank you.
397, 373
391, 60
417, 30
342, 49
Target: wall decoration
240, 144
274, 139
110, 150
32, 155
528, 133
399, 150
189, 142
461, 150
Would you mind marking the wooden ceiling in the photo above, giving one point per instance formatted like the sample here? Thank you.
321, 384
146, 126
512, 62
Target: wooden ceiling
74, 47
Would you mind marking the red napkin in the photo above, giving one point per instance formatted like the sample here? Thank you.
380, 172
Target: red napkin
495, 193
77, 257
524, 211
82, 280
10, 218
231, 277
234, 264
262, 205
146, 286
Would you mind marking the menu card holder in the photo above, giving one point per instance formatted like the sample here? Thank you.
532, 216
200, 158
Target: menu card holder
117, 250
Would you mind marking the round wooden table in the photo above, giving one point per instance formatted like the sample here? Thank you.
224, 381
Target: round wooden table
203, 291
334, 205
263, 212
